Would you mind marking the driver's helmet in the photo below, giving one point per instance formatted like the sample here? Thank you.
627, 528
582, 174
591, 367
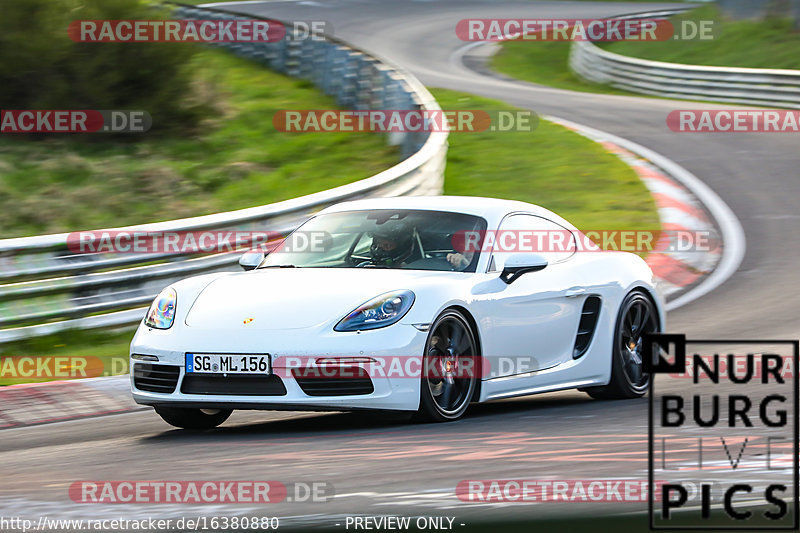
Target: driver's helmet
392, 243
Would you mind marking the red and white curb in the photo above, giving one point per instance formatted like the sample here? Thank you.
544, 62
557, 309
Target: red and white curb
30, 404
678, 211
684, 204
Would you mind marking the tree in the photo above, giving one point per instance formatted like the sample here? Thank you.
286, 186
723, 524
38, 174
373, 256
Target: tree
42, 68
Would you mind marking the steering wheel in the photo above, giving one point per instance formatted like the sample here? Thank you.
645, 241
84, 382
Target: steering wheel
432, 263
437, 254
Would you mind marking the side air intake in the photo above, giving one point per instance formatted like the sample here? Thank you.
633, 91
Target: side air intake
587, 325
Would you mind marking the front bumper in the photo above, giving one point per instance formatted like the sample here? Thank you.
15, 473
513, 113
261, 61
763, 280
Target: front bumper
286, 347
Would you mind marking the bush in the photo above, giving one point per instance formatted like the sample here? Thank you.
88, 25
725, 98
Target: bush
42, 68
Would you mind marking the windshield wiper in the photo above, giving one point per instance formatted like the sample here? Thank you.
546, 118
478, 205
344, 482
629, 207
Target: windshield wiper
281, 266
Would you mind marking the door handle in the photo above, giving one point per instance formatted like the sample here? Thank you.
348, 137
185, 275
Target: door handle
574, 291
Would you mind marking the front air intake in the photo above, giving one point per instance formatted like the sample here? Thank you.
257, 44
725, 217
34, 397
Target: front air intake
233, 385
315, 385
156, 378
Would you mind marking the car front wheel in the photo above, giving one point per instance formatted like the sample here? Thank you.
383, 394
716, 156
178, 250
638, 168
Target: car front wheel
450, 369
637, 317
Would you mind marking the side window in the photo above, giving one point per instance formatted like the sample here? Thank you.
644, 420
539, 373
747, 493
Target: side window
531, 234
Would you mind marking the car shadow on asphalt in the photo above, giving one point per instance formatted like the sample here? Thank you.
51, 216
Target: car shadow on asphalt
499, 415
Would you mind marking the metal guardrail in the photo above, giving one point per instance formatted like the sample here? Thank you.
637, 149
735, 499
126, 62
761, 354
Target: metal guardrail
45, 285
753, 86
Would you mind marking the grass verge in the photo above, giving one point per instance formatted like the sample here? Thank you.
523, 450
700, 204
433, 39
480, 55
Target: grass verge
237, 159
756, 44
90, 353
545, 63
770, 43
550, 166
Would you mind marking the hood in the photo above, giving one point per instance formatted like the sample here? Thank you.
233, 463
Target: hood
293, 298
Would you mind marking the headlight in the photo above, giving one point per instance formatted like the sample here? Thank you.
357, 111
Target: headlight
381, 311
162, 311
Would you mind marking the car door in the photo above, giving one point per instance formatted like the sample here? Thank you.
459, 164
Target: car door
534, 320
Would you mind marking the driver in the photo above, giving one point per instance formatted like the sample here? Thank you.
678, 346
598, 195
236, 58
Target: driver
392, 244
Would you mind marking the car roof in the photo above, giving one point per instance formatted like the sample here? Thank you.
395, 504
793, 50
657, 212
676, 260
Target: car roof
492, 209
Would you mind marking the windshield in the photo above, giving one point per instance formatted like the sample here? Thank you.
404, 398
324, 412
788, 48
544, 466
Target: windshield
383, 238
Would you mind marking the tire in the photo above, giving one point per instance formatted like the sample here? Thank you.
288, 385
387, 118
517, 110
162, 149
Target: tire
444, 396
193, 418
637, 316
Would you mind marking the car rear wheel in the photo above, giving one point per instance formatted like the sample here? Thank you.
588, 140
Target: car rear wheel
193, 418
637, 316
449, 369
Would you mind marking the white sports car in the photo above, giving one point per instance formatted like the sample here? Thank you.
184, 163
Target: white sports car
416, 304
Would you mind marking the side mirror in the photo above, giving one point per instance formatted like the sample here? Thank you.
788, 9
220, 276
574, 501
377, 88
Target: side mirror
250, 260
519, 264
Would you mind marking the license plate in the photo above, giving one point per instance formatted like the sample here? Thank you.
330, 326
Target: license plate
214, 363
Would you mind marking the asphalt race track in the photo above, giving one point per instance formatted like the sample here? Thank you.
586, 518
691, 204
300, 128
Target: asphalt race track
391, 468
